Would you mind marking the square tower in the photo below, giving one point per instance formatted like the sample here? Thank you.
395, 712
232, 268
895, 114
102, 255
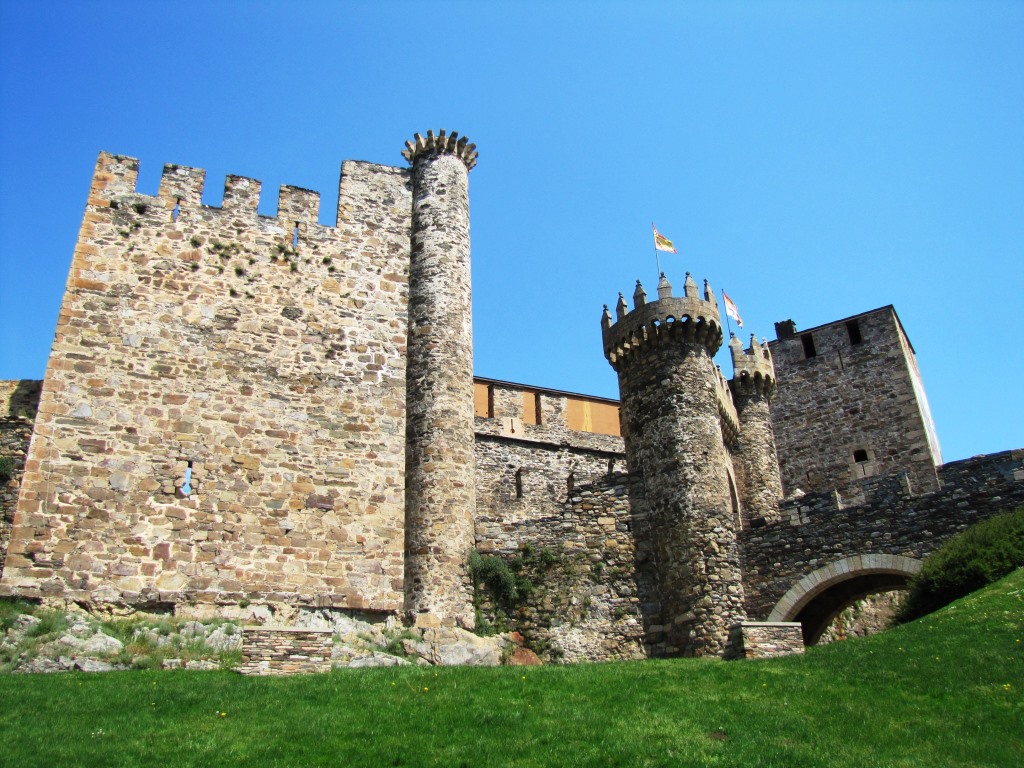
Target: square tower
850, 404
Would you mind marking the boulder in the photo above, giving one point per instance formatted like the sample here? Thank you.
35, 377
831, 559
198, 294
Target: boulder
452, 646
524, 657
101, 644
93, 665
377, 659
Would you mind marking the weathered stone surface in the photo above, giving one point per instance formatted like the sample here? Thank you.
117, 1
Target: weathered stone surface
19, 403
377, 659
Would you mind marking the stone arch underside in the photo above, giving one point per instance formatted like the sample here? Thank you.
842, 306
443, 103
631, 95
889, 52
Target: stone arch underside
821, 594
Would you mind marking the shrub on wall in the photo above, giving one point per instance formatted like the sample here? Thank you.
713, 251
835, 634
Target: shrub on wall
6, 468
969, 561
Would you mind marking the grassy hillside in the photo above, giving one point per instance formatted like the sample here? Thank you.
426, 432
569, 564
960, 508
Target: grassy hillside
942, 691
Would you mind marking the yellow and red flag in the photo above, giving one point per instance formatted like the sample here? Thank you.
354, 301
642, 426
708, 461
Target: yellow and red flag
730, 309
662, 243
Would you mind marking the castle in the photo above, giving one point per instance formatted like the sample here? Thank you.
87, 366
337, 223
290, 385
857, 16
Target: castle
260, 416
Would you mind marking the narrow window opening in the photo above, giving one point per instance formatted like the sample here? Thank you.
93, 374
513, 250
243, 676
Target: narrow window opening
186, 487
538, 418
490, 401
860, 455
570, 483
295, 236
808, 342
734, 503
177, 210
853, 329
519, 483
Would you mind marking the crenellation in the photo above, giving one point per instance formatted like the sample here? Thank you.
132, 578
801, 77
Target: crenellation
181, 186
241, 195
298, 206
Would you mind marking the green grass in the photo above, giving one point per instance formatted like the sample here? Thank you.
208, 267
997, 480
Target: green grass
942, 691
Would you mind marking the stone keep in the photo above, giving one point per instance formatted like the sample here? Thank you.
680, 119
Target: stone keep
851, 405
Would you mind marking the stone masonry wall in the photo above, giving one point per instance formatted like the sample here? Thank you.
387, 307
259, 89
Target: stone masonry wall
19, 401
816, 532
594, 592
285, 650
262, 356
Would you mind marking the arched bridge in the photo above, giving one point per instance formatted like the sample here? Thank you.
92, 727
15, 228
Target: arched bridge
820, 557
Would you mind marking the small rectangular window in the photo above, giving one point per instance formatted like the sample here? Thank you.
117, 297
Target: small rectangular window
860, 455
808, 342
853, 328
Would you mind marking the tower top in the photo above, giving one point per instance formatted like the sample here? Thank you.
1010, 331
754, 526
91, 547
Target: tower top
688, 318
441, 144
753, 370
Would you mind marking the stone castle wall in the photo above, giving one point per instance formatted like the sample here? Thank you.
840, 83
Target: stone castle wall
854, 393
19, 402
262, 356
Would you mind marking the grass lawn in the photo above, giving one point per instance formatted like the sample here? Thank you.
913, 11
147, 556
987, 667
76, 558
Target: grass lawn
943, 691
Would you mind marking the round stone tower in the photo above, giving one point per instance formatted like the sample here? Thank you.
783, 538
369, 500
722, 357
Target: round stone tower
440, 462
754, 456
671, 406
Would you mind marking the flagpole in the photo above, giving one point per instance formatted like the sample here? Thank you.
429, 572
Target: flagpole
727, 323
657, 259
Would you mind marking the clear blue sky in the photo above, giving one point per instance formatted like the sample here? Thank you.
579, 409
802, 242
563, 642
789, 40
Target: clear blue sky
814, 159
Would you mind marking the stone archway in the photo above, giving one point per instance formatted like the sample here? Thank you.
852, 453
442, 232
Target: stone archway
819, 595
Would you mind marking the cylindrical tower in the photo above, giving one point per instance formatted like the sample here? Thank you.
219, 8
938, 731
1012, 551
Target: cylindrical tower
662, 352
755, 459
440, 463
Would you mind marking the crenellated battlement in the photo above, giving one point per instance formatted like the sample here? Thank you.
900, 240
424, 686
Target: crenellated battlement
689, 318
753, 370
181, 188
442, 144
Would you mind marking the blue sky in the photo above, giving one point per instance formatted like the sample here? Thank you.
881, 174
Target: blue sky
815, 160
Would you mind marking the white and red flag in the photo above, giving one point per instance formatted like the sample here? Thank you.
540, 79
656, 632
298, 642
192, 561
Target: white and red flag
730, 309
662, 243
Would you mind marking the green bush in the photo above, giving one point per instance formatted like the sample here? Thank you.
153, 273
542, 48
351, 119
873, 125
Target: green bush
978, 556
6, 468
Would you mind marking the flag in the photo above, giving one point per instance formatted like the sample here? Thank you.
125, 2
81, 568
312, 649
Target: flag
730, 309
662, 243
